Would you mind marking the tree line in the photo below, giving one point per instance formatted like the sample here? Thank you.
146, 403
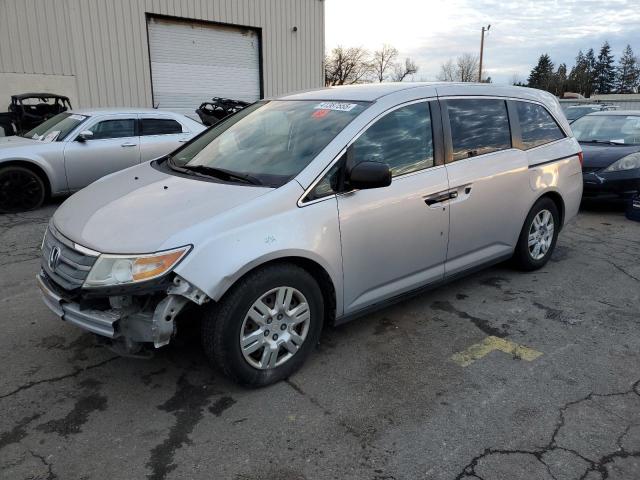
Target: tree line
346, 66
590, 74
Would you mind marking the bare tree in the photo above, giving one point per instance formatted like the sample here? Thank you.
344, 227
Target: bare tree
467, 66
464, 69
384, 61
345, 66
448, 72
400, 72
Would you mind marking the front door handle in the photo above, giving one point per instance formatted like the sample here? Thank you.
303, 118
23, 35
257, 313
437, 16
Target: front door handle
183, 140
440, 197
129, 145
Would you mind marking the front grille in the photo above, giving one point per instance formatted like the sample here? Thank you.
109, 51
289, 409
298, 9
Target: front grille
72, 266
590, 169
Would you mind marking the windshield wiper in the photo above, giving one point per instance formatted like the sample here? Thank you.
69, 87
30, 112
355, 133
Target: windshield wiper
607, 142
222, 173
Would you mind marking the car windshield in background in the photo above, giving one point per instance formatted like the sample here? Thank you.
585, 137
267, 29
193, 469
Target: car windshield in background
270, 142
616, 129
56, 128
576, 112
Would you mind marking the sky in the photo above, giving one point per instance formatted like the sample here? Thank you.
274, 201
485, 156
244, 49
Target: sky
432, 31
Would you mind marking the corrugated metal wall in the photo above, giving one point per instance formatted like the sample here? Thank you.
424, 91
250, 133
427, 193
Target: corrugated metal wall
103, 43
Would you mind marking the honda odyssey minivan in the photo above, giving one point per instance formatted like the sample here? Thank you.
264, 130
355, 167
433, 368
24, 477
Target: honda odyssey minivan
309, 209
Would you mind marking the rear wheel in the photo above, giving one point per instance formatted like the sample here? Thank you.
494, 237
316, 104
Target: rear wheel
21, 189
538, 236
266, 326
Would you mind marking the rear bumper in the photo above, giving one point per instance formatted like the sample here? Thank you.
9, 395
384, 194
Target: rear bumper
612, 185
100, 322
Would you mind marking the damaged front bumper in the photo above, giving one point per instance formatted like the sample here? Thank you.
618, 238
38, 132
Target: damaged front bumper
130, 319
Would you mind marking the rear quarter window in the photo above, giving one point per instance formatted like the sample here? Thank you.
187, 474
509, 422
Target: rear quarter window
537, 125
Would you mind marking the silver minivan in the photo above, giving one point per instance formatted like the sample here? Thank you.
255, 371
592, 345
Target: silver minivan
311, 209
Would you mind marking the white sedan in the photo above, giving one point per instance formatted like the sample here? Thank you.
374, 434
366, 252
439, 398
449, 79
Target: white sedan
73, 149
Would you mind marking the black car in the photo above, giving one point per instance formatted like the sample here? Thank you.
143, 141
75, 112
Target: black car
611, 145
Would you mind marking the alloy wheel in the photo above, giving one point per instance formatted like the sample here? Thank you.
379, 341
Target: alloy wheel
20, 190
540, 234
275, 327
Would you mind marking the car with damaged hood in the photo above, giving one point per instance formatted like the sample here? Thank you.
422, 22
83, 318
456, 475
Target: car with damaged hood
611, 145
72, 149
311, 209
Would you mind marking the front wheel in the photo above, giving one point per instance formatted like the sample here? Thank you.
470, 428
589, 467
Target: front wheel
266, 326
21, 189
538, 236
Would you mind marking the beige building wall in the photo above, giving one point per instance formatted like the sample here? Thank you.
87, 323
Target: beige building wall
97, 51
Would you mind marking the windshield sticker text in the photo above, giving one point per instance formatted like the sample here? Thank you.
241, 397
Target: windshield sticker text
337, 106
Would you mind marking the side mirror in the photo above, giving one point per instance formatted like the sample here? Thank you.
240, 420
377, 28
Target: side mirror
369, 175
85, 135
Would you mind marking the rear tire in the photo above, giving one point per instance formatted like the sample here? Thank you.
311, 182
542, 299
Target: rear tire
266, 326
538, 236
21, 189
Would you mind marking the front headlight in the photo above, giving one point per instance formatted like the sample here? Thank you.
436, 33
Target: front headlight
112, 270
625, 163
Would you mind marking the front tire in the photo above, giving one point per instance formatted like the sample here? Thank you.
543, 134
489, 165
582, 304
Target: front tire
21, 189
538, 236
266, 326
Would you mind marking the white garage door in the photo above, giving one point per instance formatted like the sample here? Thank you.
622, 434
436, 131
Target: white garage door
192, 62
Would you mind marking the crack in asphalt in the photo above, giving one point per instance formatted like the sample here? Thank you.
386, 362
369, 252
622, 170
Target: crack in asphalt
75, 373
187, 406
599, 465
50, 474
481, 323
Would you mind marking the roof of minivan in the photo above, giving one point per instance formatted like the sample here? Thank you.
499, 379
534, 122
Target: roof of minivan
370, 92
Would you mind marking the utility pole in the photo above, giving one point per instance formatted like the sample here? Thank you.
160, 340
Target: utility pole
482, 51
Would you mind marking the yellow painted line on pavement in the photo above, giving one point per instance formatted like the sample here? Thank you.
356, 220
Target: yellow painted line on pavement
490, 344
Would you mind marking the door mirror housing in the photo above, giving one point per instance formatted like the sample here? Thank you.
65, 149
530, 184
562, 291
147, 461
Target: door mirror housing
369, 175
85, 135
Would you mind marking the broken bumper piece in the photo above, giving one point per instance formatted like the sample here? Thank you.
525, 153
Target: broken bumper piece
127, 319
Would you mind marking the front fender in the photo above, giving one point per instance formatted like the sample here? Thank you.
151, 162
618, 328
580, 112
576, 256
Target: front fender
227, 252
56, 177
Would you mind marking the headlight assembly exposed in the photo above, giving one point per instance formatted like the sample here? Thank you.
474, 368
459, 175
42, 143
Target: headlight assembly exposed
112, 270
625, 163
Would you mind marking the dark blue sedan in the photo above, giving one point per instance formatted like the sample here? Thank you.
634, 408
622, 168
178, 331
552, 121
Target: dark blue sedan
611, 145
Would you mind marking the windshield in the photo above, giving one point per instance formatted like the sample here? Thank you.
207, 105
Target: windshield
576, 112
624, 129
56, 128
269, 141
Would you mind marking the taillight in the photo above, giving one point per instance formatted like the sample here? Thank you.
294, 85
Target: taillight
581, 158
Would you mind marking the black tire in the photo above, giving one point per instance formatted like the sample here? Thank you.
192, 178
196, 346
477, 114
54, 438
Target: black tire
222, 324
523, 256
21, 189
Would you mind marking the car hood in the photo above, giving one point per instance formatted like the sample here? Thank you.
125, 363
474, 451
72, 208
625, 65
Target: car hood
9, 144
601, 156
139, 209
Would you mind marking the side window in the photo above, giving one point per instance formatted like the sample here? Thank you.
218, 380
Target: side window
120, 128
160, 126
478, 126
537, 125
402, 139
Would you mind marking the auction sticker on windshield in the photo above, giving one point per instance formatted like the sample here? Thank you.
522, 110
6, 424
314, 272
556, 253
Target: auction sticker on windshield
338, 106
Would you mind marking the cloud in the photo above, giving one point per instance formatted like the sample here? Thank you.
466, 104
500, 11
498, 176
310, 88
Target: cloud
432, 32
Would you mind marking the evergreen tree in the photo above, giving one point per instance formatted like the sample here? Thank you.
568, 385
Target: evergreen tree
542, 74
560, 80
579, 76
627, 73
605, 72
